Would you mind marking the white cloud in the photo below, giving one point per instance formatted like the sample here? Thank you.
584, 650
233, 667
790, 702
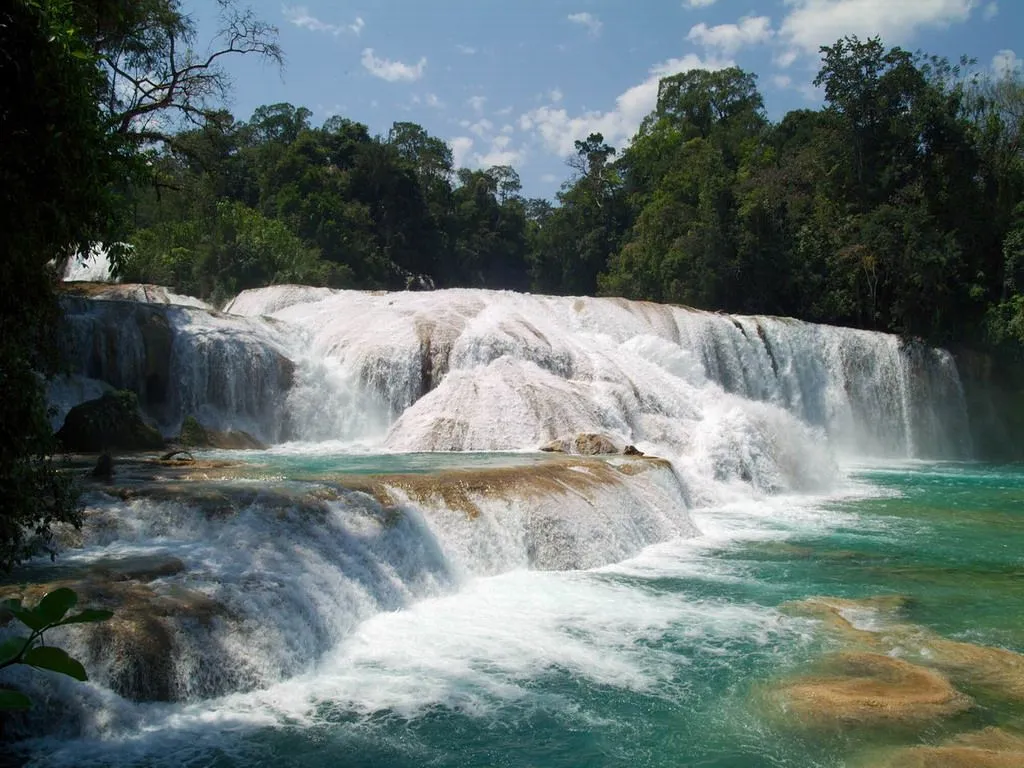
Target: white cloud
468, 50
782, 81
555, 95
393, 71
991, 11
558, 131
461, 148
729, 38
430, 100
504, 111
498, 151
588, 20
477, 103
549, 178
698, 3
1005, 62
787, 57
300, 16
813, 23
481, 128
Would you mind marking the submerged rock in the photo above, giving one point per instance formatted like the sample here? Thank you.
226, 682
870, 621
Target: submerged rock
110, 421
988, 748
875, 623
869, 689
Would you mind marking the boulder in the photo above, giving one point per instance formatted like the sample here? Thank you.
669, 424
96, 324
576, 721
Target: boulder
583, 444
138, 652
112, 421
195, 435
104, 469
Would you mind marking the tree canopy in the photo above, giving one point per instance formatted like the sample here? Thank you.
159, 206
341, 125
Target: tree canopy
893, 207
88, 89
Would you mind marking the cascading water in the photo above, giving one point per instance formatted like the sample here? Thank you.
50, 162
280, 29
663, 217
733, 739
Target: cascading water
273, 578
537, 367
179, 359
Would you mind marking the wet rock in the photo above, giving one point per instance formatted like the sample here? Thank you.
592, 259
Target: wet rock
632, 450
584, 444
195, 435
104, 469
112, 421
871, 690
178, 457
136, 653
158, 343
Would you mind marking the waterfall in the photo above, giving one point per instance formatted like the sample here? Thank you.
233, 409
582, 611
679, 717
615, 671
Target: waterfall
486, 370
180, 360
405, 468
473, 369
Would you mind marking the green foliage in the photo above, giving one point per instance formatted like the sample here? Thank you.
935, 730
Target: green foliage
232, 249
275, 200
49, 613
193, 434
57, 168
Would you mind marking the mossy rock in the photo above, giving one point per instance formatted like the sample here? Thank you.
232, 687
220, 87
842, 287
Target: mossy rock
195, 435
112, 421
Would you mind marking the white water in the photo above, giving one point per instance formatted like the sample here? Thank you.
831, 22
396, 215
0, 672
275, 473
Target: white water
343, 602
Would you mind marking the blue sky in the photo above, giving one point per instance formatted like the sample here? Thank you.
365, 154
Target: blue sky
517, 82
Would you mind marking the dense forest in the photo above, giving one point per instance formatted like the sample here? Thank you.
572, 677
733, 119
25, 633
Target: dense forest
896, 206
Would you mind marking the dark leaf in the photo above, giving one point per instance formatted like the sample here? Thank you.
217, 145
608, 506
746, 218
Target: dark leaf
55, 604
10, 648
29, 618
13, 700
55, 660
87, 616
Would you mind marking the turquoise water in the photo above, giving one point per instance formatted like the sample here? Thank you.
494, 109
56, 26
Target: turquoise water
665, 660
304, 464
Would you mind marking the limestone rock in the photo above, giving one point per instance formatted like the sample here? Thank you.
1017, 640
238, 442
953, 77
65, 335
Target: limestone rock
870, 689
988, 748
112, 421
583, 444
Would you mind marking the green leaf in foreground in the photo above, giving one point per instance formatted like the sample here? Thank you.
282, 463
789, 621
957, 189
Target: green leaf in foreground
29, 618
55, 660
10, 648
87, 616
56, 604
13, 701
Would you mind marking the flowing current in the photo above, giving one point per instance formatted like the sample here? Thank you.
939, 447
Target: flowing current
265, 604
